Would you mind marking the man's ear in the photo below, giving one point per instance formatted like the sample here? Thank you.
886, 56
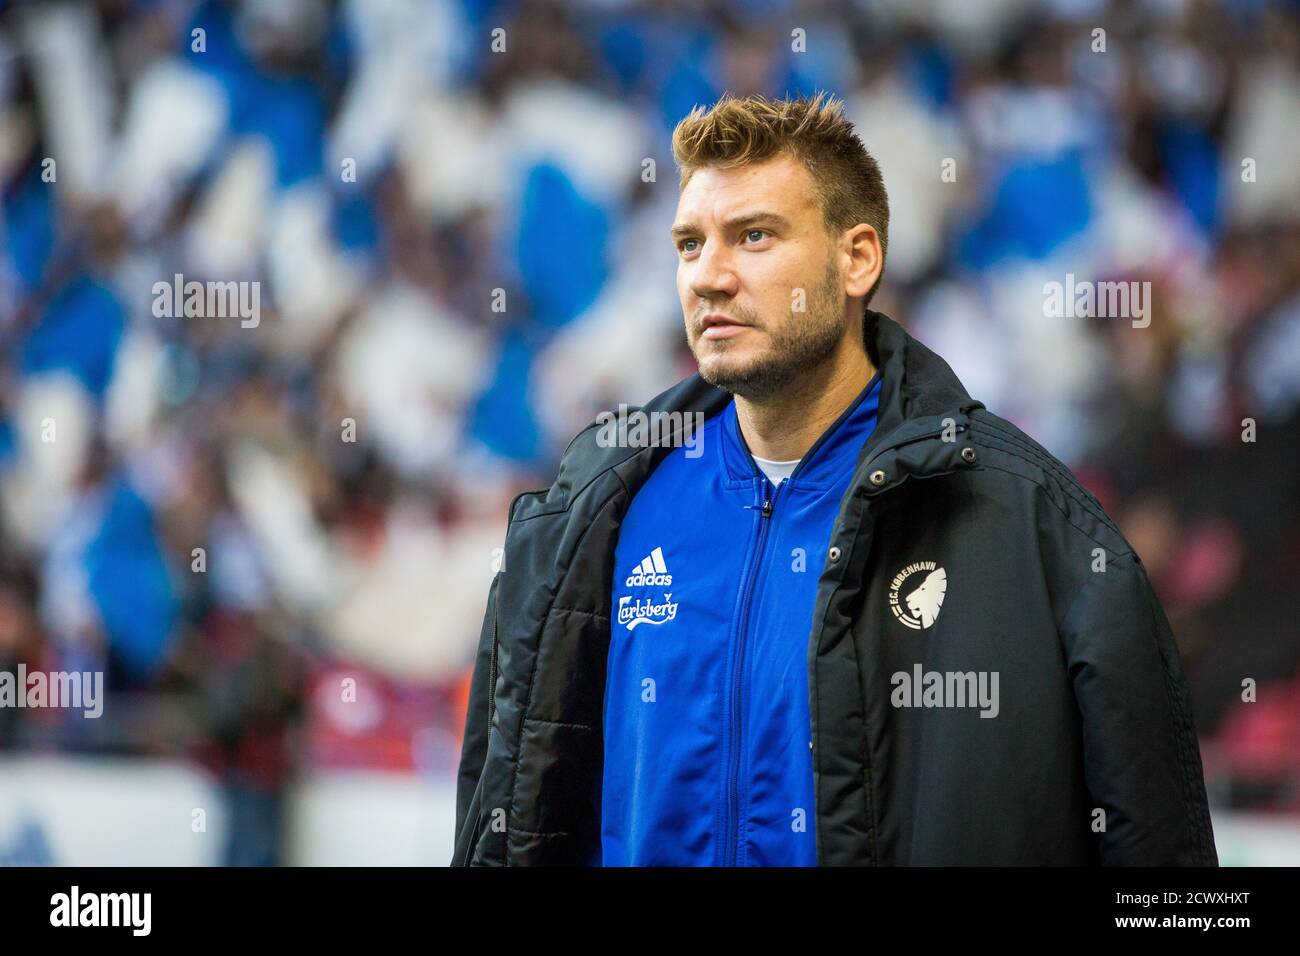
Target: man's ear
861, 246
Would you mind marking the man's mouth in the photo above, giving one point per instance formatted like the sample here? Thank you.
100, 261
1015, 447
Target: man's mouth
715, 325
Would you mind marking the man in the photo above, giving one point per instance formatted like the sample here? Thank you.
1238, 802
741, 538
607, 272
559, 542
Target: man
855, 619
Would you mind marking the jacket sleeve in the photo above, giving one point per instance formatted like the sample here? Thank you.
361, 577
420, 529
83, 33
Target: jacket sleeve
1141, 757
474, 746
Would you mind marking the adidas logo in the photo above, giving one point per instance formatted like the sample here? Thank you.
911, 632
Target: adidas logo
650, 572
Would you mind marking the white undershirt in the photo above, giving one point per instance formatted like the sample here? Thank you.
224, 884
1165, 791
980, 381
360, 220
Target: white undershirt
776, 471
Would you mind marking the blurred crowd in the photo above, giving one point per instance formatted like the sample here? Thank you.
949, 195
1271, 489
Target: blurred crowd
276, 540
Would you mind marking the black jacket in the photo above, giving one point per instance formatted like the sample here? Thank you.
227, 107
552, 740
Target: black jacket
1092, 757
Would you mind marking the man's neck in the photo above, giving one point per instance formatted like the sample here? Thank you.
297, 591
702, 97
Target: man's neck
782, 427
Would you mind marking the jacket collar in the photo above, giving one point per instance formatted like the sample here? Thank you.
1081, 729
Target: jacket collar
919, 391
918, 384
834, 450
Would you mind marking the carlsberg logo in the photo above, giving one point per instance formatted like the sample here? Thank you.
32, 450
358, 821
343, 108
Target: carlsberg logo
632, 613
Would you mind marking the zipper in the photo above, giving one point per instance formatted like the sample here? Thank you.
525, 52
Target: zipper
492, 676
765, 511
815, 638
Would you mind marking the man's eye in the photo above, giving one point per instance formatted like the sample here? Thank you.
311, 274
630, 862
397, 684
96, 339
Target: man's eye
761, 233
685, 245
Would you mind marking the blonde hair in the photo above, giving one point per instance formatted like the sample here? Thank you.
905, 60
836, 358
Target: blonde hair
739, 130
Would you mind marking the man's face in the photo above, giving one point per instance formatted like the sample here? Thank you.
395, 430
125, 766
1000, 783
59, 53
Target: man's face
758, 276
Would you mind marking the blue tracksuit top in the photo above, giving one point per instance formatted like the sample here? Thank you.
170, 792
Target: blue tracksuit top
707, 756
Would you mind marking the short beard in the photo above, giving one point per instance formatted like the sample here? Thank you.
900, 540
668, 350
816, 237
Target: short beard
805, 343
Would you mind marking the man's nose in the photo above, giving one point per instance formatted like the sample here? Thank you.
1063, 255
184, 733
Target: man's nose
714, 273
